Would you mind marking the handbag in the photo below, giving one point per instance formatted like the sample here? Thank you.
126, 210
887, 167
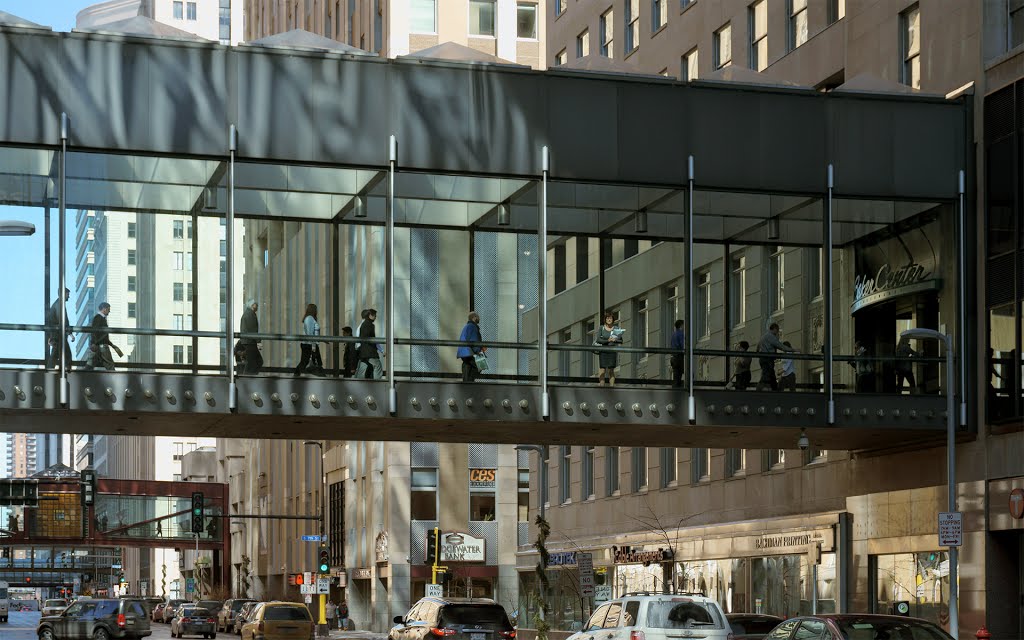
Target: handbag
481, 361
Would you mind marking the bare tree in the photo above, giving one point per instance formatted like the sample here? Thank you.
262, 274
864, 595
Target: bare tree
660, 526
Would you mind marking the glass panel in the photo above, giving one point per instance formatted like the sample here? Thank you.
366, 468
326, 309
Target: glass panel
920, 579
423, 16
1002, 355
481, 17
29, 248
526, 20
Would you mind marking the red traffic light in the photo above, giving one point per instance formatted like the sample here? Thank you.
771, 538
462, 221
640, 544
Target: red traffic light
28, 579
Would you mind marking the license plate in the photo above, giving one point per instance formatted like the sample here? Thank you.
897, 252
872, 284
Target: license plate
476, 636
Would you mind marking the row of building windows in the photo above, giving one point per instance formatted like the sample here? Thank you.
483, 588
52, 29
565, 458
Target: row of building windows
700, 468
482, 18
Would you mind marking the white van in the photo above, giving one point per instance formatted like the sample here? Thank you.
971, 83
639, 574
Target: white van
657, 617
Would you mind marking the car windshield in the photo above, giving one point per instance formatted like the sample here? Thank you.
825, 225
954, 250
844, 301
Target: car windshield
238, 604
194, 613
473, 614
754, 626
889, 629
286, 613
681, 614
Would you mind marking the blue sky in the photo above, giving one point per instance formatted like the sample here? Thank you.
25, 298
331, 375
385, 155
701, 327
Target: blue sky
21, 259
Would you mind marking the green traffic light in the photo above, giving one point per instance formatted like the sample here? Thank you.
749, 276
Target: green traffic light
324, 568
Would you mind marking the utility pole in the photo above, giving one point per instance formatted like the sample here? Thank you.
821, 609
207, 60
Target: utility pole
322, 598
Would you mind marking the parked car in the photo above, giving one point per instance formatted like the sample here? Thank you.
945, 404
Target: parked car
212, 605
193, 620
226, 615
157, 615
656, 617
279, 621
54, 606
855, 626
97, 619
751, 626
243, 616
457, 618
172, 608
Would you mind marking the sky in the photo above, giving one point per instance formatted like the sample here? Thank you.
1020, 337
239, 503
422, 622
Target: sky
21, 259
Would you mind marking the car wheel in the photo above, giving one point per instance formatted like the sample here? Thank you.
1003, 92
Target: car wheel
212, 636
101, 634
46, 634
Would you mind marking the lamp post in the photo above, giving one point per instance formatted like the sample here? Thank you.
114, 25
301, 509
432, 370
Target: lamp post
322, 624
945, 339
16, 228
541, 496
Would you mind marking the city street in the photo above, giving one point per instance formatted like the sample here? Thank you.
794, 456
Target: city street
22, 626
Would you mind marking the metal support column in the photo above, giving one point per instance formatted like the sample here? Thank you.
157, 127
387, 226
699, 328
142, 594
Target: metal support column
229, 288
954, 551
727, 309
46, 288
62, 257
389, 275
961, 329
826, 259
542, 306
691, 360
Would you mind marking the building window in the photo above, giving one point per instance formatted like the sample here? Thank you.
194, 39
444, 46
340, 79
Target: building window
926, 573
132, 284
704, 304
910, 46
190, 11
639, 468
735, 462
481, 18
587, 474
526, 20
668, 466
1014, 23
336, 521
423, 16
797, 31
179, 260
582, 258
352, 22
632, 25
179, 10
178, 229
659, 14
545, 473
738, 291
131, 257
777, 280
758, 35
561, 6
132, 310
189, 354
836, 10
583, 44
641, 336
565, 357
561, 58
189, 289
723, 47
178, 322
564, 474
611, 470
482, 505
423, 501
700, 465
224, 23
815, 272
378, 26
179, 354
608, 33
684, 3
524, 495
772, 459
131, 229
814, 455
178, 291
688, 66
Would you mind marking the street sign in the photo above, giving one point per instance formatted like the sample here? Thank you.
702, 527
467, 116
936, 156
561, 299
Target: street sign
951, 529
115, 566
602, 593
190, 585
307, 577
308, 599
323, 585
585, 563
311, 538
307, 589
435, 591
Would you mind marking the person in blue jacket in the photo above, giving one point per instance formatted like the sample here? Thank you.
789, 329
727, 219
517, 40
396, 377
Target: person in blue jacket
468, 353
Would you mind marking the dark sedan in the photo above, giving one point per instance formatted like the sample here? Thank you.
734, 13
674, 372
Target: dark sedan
854, 626
193, 621
751, 626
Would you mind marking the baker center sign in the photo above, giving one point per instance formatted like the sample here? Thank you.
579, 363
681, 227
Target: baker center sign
891, 282
462, 547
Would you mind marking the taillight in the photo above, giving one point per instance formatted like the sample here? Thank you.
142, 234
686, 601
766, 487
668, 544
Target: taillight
441, 632
186, 619
120, 620
730, 636
210, 620
508, 634
636, 635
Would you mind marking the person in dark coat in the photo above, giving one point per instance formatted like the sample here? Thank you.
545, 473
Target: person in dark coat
607, 360
53, 340
370, 352
768, 346
349, 359
251, 324
468, 352
678, 345
99, 341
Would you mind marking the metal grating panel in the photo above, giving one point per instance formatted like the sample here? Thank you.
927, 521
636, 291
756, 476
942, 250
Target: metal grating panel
1000, 277
424, 298
489, 532
425, 454
418, 540
485, 289
528, 290
999, 110
523, 459
523, 534
483, 456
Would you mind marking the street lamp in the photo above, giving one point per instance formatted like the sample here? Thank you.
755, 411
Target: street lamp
945, 339
16, 228
541, 499
322, 626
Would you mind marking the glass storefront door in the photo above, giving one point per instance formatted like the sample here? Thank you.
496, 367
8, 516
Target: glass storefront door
920, 579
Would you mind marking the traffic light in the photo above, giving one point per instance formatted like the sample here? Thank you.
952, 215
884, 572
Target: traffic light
120, 577
325, 559
88, 482
28, 579
197, 512
6, 553
432, 556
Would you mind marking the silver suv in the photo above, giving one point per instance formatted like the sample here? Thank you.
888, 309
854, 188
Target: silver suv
657, 617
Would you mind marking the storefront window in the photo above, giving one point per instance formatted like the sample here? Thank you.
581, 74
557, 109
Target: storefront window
481, 506
423, 501
920, 579
778, 585
524, 495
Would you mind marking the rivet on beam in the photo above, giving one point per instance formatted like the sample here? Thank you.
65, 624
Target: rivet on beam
636, 408
811, 411
149, 395
863, 412
87, 391
275, 398
314, 400
584, 407
169, 394
255, 396
294, 396
880, 413
602, 407
128, 393
333, 400
189, 395
728, 409
451, 403
618, 407
38, 390
469, 402
488, 403
711, 409
777, 411
351, 401
506, 403
415, 402
745, 410
913, 414
433, 402
108, 392
895, 413
761, 410
209, 396
371, 401
524, 404
795, 411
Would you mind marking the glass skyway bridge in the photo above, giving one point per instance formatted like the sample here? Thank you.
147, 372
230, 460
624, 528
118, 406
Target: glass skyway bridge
182, 182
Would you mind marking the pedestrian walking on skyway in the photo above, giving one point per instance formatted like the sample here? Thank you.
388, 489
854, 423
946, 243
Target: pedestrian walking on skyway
769, 344
251, 324
370, 353
99, 341
53, 339
474, 359
310, 350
